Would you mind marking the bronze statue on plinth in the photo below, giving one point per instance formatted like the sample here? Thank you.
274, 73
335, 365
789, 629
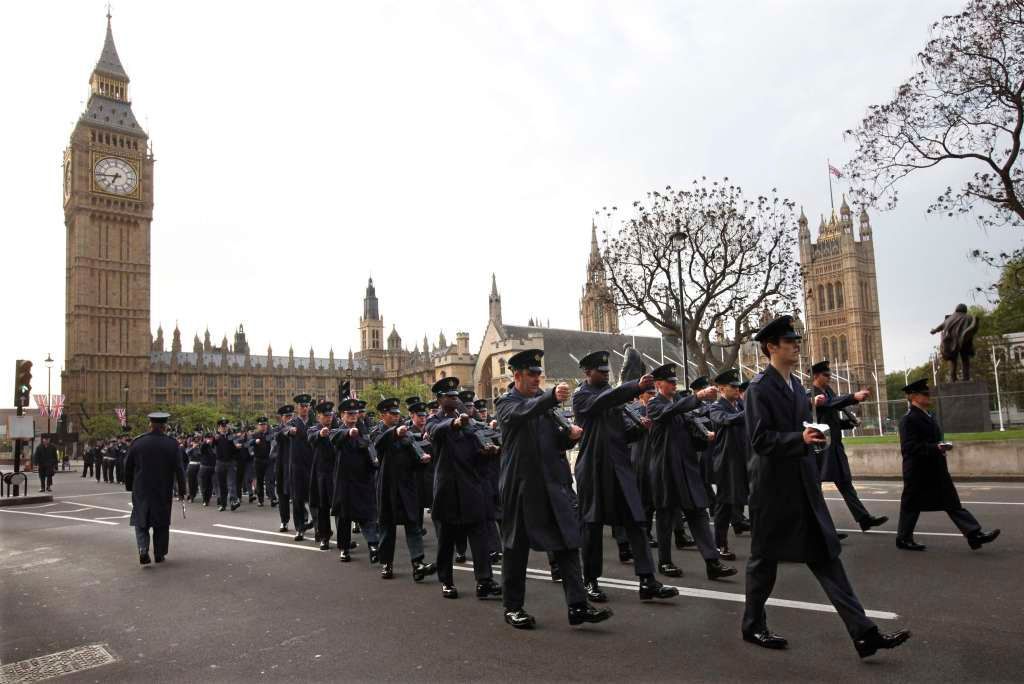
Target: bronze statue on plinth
957, 342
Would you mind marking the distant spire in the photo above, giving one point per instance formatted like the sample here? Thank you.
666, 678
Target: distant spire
109, 63
494, 285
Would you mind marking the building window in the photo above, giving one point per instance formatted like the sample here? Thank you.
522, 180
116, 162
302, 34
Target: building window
839, 295
842, 348
211, 382
831, 297
279, 382
186, 382
257, 382
160, 380
236, 382
821, 298
501, 366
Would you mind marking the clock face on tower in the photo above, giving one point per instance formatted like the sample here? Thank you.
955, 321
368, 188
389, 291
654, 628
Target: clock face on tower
115, 176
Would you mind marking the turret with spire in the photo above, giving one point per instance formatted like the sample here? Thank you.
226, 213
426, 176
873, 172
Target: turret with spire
598, 312
176, 340
494, 303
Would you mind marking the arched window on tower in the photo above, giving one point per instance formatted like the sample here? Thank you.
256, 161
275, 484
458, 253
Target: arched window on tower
839, 295
835, 349
842, 348
821, 299
501, 366
831, 297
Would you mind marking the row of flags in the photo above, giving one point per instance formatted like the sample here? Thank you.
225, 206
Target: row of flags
54, 408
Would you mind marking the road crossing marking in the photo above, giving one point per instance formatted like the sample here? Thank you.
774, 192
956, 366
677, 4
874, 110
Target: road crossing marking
54, 515
251, 541
102, 508
79, 496
973, 503
251, 529
930, 534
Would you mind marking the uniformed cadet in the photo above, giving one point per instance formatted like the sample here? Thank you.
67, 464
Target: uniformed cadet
835, 467
152, 469
226, 448
677, 483
538, 505
790, 521
300, 460
259, 447
927, 485
605, 480
194, 455
207, 467
283, 467
355, 492
321, 486
729, 455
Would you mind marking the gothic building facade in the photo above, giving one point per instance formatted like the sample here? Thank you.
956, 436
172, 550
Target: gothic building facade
597, 303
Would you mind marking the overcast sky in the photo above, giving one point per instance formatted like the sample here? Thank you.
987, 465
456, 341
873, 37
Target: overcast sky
428, 144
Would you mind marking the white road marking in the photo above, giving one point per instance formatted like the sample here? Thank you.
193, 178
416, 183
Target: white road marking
79, 496
102, 508
46, 505
54, 515
972, 503
114, 517
251, 541
930, 534
251, 529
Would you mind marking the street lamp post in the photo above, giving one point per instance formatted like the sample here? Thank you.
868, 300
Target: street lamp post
679, 241
49, 397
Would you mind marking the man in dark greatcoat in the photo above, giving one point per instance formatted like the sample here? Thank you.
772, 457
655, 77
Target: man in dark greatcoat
790, 521
281, 459
45, 461
460, 495
300, 461
605, 479
259, 447
927, 485
677, 482
398, 496
537, 503
321, 484
730, 452
227, 450
152, 469
835, 467
355, 493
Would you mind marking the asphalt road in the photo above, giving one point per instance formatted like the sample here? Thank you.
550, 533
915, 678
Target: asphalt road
237, 601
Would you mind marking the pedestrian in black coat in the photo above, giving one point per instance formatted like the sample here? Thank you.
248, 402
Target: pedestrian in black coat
790, 521
605, 478
355, 489
299, 462
152, 470
45, 461
927, 485
322, 471
226, 446
279, 455
259, 446
730, 453
835, 467
537, 500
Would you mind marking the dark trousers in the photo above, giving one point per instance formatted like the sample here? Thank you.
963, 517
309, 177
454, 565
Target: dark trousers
726, 514
118, 470
700, 528
513, 572
849, 494
299, 514
344, 525
413, 540
87, 469
108, 470
225, 483
961, 517
261, 475
206, 482
475, 534
593, 550
161, 539
192, 478
831, 575
98, 465
241, 483
45, 477
323, 523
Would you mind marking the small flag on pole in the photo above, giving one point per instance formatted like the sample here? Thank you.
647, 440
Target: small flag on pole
121, 416
834, 171
41, 403
58, 406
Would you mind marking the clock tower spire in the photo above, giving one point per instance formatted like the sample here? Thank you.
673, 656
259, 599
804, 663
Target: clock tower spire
108, 211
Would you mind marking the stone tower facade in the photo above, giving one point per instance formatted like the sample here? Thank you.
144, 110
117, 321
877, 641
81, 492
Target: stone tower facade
108, 212
841, 299
371, 329
597, 305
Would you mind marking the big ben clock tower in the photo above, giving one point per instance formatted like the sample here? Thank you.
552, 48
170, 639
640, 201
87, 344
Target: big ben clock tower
108, 209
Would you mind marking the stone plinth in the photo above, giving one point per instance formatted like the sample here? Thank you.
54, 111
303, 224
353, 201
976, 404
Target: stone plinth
962, 406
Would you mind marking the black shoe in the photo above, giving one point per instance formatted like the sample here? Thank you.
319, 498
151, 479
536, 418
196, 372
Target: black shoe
872, 521
235, 504
909, 545
221, 508
519, 619
980, 538
583, 612
325, 544
449, 591
158, 559
41, 490
352, 546
260, 503
273, 502
387, 571
873, 640
460, 558
144, 558
556, 573
356, 529
206, 503
283, 528
652, 542
625, 553
253, 498
299, 536
594, 593
651, 588
842, 535
496, 558
766, 639
421, 570
374, 555
741, 527
717, 571
684, 541
345, 557
669, 570
725, 554
487, 589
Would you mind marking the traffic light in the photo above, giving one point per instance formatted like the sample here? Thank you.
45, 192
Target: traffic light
22, 382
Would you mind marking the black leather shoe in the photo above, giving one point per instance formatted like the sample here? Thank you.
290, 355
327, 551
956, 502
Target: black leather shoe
345, 557
842, 535
594, 593
625, 553
684, 541
325, 544
873, 640
766, 639
584, 612
235, 505
353, 545
387, 571
158, 559
872, 521
496, 558
651, 588
909, 545
741, 527
556, 573
273, 502
717, 571
221, 508
299, 537
460, 558
519, 619
449, 591
421, 570
669, 570
978, 540
374, 555
206, 503
282, 528
487, 589
726, 554
259, 503
251, 498
144, 559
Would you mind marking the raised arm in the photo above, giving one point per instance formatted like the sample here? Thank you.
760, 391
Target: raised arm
512, 411
585, 404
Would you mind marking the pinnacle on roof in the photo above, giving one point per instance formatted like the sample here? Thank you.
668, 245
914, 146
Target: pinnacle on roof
803, 216
844, 208
494, 285
109, 63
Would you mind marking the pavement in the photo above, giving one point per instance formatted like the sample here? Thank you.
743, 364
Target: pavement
236, 601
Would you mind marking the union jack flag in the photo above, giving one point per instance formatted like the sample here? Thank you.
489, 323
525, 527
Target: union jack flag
41, 403
57, 408
834, 171
122, 416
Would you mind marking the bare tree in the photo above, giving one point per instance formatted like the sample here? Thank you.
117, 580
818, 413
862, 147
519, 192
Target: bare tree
966, 104
737, 260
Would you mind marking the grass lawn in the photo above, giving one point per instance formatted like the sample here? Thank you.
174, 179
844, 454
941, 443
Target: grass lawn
956, 437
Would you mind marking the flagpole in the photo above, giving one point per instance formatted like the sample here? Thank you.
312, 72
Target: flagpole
831, 197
